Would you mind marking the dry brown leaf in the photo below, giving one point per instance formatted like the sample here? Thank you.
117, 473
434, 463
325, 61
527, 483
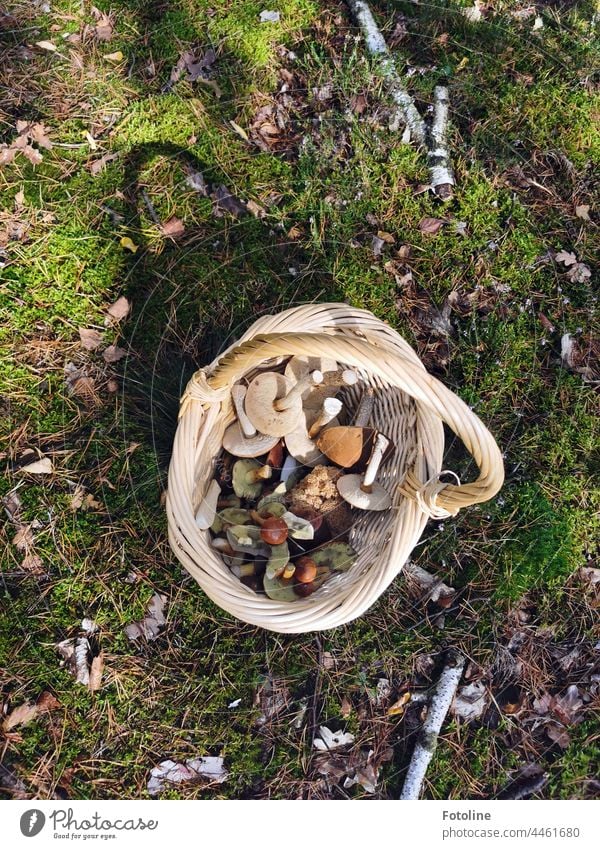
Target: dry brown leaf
113, 354
20, 716
174, 227
567, 258
90, 338
33, 155
33, 563
256, 209
97, 165
150, 626
46, 701
23, 539
583, 211
96, 671
431, 226
120, 309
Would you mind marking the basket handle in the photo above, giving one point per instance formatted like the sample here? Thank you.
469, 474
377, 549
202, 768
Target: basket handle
435, 497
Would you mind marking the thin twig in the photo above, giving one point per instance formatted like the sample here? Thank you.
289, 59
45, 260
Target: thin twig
433, 138
428, 736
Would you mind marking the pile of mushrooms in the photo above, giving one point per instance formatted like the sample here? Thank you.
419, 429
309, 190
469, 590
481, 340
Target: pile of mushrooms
279, 509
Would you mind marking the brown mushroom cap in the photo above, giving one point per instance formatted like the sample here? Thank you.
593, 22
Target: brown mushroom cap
347, 446
263, 392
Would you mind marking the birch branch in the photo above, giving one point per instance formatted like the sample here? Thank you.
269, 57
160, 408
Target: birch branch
377, 46
433, 138
438, 155
428, 736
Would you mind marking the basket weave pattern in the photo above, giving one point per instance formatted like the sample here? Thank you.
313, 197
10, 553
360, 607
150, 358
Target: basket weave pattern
411, 407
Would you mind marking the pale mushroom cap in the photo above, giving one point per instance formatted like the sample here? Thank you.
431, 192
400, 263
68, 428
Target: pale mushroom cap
262, 393
349, 488
299, 443
239, 445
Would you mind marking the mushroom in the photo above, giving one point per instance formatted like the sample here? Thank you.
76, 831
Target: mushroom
274, 531
245, 539
247, 478
241, 438
235, 516
205, 515
300, 441
280, 555
298, 526
279, 589
337, 556
350, 444
366, 493
306, 570
274, 403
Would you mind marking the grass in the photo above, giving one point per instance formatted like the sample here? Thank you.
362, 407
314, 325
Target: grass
525, 145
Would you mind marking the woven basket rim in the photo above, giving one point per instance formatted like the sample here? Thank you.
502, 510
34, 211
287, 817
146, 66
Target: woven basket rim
357, 338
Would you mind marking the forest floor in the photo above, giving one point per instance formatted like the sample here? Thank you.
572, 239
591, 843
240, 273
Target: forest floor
169, 172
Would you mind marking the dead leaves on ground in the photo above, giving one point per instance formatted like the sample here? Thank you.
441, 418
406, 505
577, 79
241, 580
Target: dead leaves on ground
28, 135
28, 711
78, 656
152, 624
206, 770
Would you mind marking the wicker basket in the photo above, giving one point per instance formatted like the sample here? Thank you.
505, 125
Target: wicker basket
411, 407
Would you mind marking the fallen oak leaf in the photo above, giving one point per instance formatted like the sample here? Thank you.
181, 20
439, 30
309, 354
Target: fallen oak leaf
567, 258
113, 354
33, 563
583, 211
20, 716
90, 338
97, 165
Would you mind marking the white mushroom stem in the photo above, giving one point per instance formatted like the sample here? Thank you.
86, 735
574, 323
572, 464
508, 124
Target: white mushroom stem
294, 396
433, 139
341, 377
254, 475
238, 393
331, 408
428, 736
379, 449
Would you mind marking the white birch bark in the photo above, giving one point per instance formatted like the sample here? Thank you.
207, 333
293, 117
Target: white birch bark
428, 736
432, 138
